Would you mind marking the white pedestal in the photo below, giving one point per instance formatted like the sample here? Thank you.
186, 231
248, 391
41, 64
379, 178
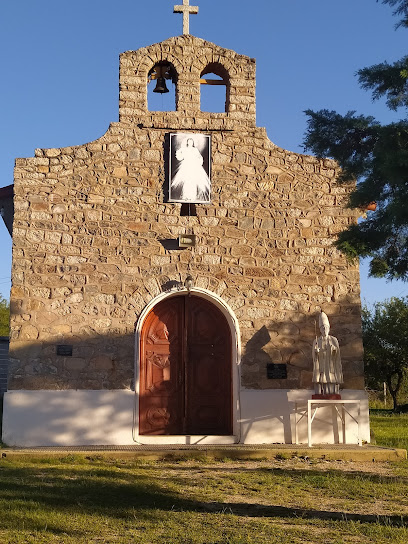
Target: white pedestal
309, 407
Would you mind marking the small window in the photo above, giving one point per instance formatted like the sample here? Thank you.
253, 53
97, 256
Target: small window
214, 89
161, 87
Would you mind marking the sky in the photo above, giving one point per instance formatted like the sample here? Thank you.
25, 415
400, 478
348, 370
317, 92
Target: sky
60, 61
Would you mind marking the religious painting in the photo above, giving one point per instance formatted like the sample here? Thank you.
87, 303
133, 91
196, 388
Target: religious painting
189, 168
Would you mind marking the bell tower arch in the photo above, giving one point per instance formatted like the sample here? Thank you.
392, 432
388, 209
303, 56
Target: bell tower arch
190, 57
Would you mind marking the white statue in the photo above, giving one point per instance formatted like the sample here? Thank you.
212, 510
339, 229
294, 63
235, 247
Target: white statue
327, 370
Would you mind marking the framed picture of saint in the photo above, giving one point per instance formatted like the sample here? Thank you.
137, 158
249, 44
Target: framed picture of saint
189, 168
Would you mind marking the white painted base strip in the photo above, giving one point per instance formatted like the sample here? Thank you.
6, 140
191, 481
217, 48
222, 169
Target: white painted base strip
268, 416
96, 418
67, 418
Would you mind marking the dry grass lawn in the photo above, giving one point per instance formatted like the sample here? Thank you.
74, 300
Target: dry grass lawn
91, 500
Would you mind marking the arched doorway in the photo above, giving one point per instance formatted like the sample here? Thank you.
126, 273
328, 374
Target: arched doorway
185, 385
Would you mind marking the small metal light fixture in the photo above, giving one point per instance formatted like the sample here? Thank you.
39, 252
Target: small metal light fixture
187, 240
188, 284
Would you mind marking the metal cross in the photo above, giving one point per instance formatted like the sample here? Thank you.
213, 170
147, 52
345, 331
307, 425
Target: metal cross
186, 9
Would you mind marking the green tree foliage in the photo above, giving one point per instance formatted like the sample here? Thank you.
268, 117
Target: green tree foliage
375, 155
385, 337
401, 9
4, 317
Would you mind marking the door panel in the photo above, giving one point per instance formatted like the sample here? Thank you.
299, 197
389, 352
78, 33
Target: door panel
161, 392
209, 376
185, 373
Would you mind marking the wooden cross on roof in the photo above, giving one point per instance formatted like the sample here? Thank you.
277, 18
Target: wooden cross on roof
186, 9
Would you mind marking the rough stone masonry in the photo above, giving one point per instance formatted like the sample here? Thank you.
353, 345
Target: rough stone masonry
90, 224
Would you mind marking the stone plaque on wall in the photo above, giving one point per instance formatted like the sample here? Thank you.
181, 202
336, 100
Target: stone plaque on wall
64, 350
276, 371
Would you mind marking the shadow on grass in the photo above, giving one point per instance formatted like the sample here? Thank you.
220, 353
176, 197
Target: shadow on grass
349, 476
59, 497
294, 474
62, 496
389, 412
259, 510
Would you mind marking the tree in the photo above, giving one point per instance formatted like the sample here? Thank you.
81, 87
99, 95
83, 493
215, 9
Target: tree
4, 317
376, 155
385, 337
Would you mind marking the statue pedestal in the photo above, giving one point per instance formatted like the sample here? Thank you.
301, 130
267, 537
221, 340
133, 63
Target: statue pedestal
339, 410
330, 396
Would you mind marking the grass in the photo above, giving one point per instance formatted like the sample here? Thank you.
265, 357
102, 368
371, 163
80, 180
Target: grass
389, 429
77, 499
80, 500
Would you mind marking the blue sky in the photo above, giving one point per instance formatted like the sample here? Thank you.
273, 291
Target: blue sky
59, 66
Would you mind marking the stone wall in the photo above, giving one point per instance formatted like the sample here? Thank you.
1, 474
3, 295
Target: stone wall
91, 223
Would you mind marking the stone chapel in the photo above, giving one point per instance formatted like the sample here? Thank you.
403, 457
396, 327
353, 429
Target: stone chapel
140, 315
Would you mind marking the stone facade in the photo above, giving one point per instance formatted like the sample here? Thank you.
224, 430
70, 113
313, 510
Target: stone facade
92, 232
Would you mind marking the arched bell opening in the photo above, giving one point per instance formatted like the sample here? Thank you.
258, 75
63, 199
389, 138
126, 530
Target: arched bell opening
214, 89
162, 87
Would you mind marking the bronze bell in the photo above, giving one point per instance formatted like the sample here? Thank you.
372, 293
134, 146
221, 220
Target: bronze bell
161, 86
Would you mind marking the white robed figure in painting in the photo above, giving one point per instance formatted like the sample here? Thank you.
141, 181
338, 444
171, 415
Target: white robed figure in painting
327, 369
190, 182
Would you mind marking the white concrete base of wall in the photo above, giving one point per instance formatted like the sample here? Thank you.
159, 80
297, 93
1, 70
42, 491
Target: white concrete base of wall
85, 418
67, 418
268, 416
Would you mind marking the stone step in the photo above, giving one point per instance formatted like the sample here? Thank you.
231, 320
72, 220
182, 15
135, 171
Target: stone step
366, 453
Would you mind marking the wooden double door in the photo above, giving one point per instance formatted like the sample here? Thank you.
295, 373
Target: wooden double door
185, 369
